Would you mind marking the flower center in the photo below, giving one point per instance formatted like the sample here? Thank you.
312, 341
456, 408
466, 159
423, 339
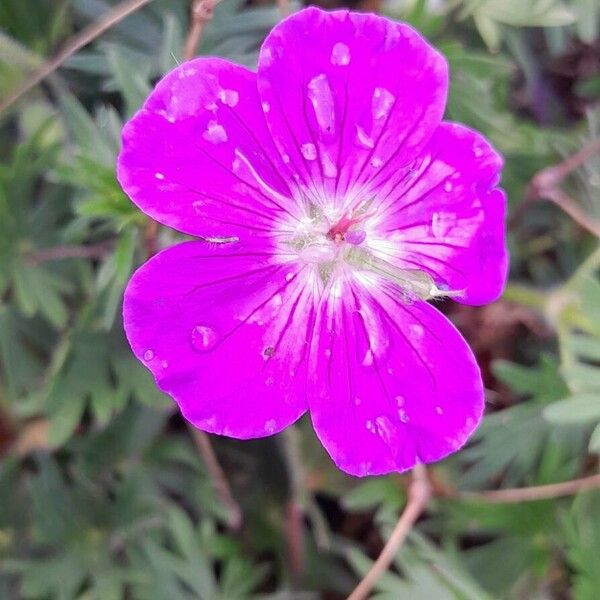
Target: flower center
330, 248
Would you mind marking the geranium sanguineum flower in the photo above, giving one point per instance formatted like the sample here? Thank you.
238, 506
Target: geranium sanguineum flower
342, 203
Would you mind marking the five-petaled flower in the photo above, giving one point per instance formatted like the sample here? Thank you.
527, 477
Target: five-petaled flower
343, 203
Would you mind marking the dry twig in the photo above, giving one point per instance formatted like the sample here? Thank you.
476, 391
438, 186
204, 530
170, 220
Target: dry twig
540, 492
64, 252
201, 13
218, 478
545, 185
87, 35
419, 493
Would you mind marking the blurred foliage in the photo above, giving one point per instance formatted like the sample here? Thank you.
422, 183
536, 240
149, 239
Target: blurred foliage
103, 493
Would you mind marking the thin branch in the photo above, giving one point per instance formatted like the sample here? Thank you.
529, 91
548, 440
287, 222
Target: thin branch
201, 13
545, 184
87, 35
64, 252
419, 493
219, 481
296, 503
284, 8
540, 492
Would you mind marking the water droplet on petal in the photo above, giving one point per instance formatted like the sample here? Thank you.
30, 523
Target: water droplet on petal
329, 168
215, 133
309, 151
164, 364
270, 426
370, 427
289, 276
382, 103
477, 151
439, 410
357, 401
385, 429
442, 223
448, 186
376, 163
363, 138
403, 416
416, 331
368, 358
327, 352
268, 352
148, 355
159, 176
269, 381
400, 400
285, 158
340, 54
266, 107
321, 98
203, 338
229, 97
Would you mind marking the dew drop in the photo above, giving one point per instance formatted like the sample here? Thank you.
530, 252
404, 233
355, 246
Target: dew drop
321, 98
197, 205
363, 139
229, 97
329, 168
385, 429
403, 416
439, 410
285, 158
477, 151
269, 381
442, 223
270, 426
159, 176
203, 338
368, 358
289, 276
215, 133
266, 107
327, 352
382, 103
370, 427
357, 401
309, 151
376, 163
164, 364
416, 331
448, 186
400, 400
148, 355
340, 54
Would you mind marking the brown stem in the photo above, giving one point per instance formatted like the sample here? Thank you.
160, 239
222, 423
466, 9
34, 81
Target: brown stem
296, 502
88, 34
545, 184
201, 14
63, 252
419, 493
219, 481
284, 8
540, 492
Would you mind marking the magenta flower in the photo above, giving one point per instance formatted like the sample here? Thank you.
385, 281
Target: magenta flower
342, 203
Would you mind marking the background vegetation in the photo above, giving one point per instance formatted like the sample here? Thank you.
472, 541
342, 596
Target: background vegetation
104, 491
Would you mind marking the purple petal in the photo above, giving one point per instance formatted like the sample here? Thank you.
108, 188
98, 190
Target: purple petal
442, 214
198, 156
391, 383
223, 329
346, 93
